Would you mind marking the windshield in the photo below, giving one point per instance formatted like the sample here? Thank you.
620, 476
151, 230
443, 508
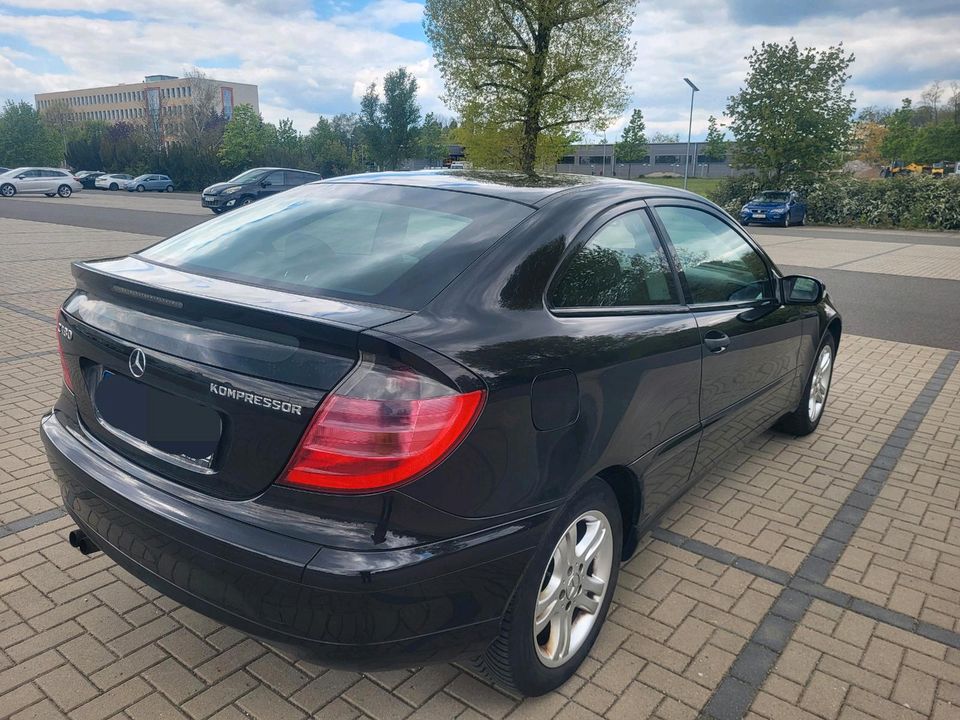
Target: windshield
389, 245
248, 176
17, 171
779, 197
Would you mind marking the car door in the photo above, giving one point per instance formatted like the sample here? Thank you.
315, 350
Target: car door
750, 340
273, 183
31, 181
799, 208
618, 294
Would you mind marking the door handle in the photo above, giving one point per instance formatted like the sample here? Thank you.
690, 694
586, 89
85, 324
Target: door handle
716, 341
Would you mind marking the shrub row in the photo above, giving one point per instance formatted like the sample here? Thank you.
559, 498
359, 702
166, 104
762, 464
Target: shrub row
839, 199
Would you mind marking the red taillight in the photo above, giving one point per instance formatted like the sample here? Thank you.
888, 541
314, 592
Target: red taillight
385, 425
61, 329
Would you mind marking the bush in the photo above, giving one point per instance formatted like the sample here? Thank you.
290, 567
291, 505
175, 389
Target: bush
916, 201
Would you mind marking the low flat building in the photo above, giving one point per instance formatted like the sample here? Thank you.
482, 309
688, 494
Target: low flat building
662, 158
161, 98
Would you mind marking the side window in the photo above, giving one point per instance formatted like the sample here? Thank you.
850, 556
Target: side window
718, 264
622, 265
275, 178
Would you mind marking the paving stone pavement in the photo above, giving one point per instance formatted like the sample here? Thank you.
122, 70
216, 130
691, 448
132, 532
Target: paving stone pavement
877, 637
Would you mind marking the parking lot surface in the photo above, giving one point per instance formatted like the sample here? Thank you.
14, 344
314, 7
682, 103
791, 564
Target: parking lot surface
803, 578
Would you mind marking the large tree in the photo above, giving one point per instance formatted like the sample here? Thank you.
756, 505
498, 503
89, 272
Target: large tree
793, 114
370, 126
533, 66
715, 146
24, 139
245, 139
633, 142
400, 116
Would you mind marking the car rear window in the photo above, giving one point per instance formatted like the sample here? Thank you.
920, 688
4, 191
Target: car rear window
394, 246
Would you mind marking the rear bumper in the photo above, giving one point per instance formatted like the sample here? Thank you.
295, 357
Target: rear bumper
350, 609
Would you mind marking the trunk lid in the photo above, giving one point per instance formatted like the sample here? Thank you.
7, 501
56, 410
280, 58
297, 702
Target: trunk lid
207, 382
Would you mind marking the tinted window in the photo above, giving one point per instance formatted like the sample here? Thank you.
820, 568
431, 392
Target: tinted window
247, 176
298, 178
388, 245
622, 265
718, 264
275, 178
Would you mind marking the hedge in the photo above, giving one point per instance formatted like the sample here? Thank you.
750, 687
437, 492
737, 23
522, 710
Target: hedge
917, 201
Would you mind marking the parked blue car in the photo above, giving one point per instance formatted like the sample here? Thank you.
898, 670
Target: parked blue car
774, 207
142, 183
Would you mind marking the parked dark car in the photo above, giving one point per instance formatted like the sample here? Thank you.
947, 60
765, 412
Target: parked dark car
399, 418
252, 185
88, 178
774, 207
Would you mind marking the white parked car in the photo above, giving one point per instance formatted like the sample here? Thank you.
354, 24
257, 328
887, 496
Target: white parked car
113, 181
49, 181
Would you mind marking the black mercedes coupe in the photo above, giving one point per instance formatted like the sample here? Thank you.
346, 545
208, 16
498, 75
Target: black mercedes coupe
400, 418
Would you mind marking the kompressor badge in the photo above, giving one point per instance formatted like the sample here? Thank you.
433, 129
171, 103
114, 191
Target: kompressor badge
284, 406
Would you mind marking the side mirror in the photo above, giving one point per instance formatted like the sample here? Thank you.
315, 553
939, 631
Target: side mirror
266, 183
801, 290
21, 177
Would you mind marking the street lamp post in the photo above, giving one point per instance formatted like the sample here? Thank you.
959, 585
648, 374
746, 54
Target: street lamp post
686, 165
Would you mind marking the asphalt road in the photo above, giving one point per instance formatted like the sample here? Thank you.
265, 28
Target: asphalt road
892, 307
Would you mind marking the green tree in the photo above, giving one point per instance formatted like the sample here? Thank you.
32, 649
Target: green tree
431, 140
901, 137
664, 137
125, 147
491, 145
370, 127
61, 122
284, 144
245, 139
327, 152
24, 139
793, 114
633, 142
83, 150
530, 67
400, 116
715, 147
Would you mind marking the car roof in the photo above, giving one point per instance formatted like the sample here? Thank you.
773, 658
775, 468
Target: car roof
271, 169
513, 186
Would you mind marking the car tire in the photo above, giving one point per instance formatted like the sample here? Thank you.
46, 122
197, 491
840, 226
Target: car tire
64, 191
114, 186
528, 663
813, 403
7, 190
217, 211
140, 188
786, 220
245, 201
745, 223
803, 220
169, 188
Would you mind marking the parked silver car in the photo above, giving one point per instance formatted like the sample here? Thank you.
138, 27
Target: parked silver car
113, 181
49, 181
141, 183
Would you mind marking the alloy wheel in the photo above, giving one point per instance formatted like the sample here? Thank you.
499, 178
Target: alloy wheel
574, 584
820, 383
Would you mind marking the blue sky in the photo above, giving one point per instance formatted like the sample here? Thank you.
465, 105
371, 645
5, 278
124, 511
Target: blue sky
312, 57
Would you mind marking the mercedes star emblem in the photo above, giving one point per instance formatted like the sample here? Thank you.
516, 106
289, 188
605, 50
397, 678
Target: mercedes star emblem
138, 363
